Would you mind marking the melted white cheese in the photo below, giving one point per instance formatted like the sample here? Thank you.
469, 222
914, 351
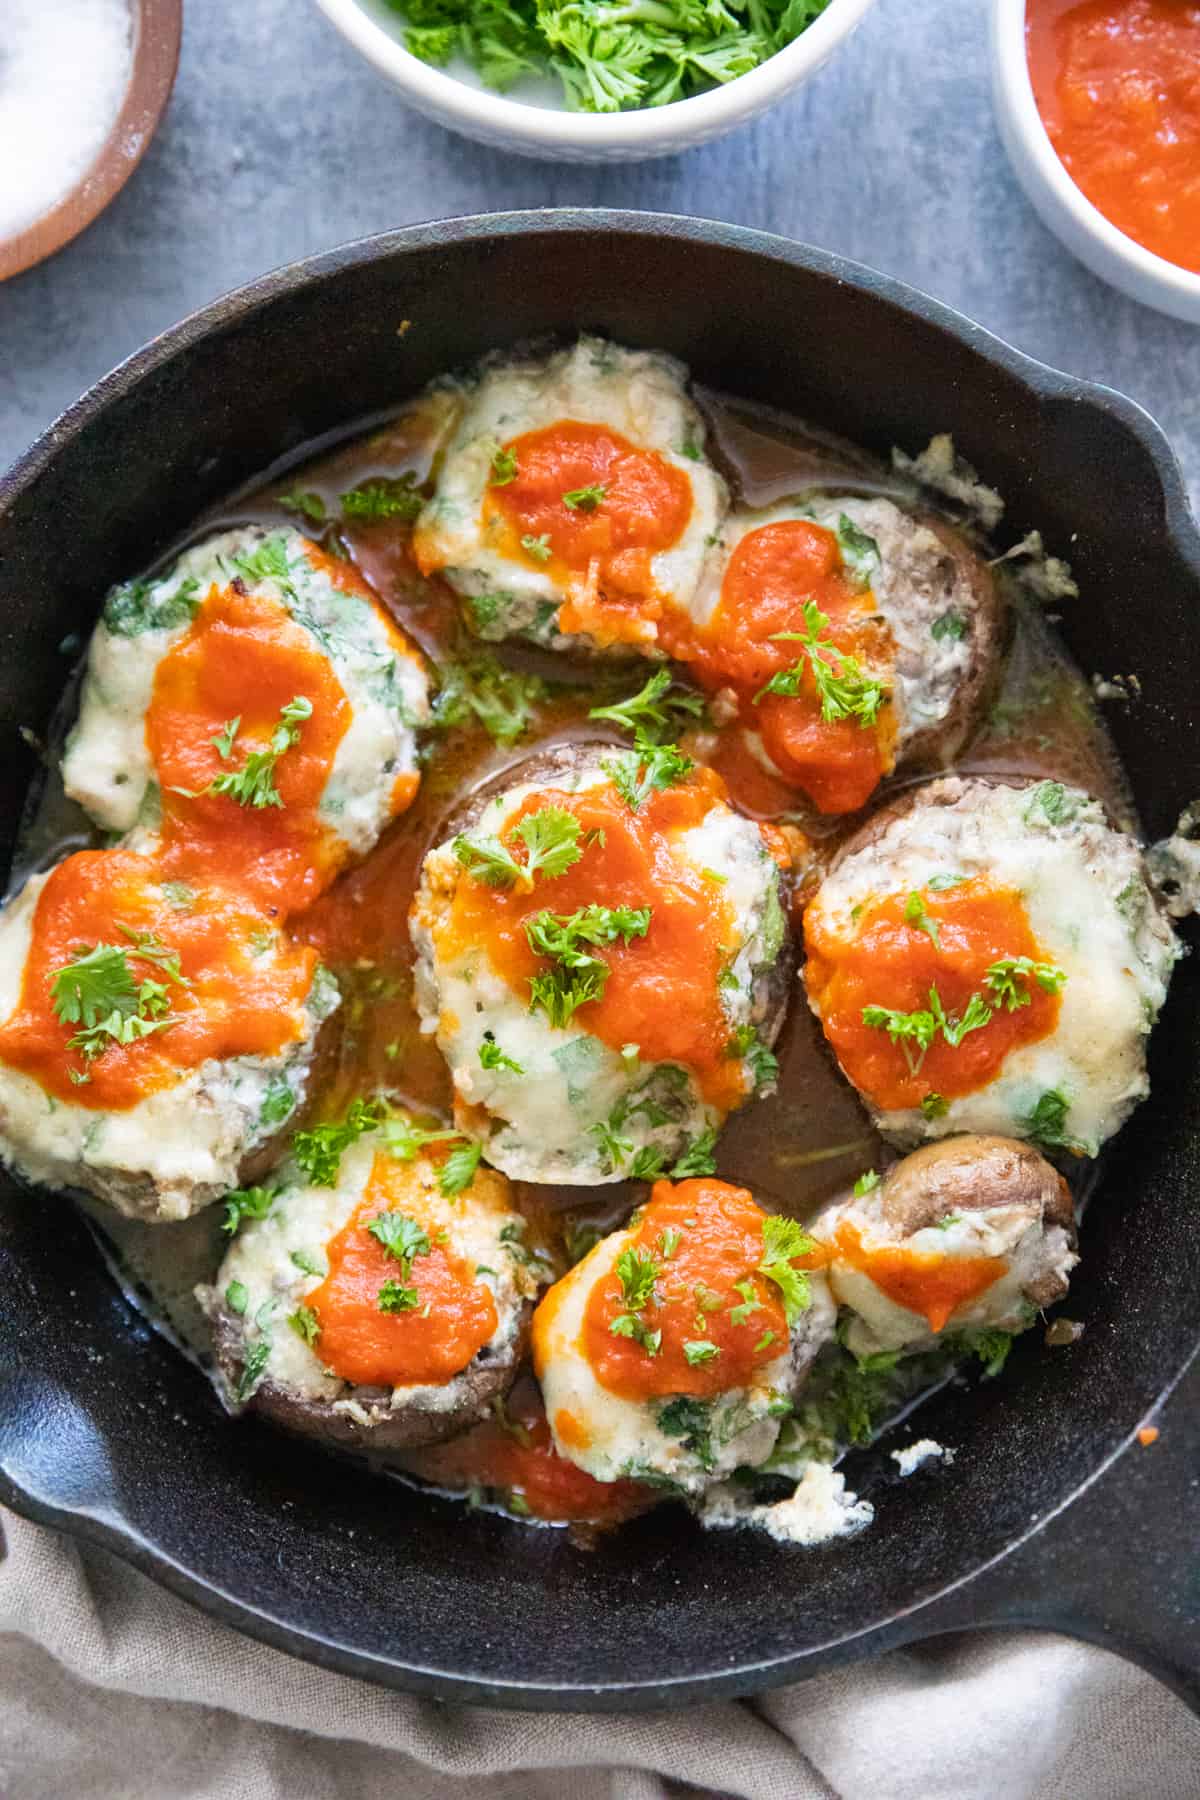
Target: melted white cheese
107, 766
1085, 893
624, 1437
544, 1119
175, 1151
639, 393
821, 1508
302, 1222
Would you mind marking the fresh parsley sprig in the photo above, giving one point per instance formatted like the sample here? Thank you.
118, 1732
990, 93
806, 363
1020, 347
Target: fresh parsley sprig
482, 688
637, 1271
784, 1239
98, 992
551, 839
254, 783
579, 977
915, 1031
637, 773
845, 688
1008, 980
657, 713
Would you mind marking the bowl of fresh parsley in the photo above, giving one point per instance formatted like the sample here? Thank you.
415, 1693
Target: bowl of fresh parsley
594, 80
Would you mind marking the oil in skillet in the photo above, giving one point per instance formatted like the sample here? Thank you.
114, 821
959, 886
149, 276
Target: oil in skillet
797, 1149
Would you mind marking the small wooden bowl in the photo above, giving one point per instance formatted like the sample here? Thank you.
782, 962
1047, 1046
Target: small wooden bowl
156, 25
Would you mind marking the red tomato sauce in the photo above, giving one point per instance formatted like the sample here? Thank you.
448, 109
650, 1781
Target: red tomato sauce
235, 1003
244, 658
934, 1286
516, 1454
1117, 83
431, 1341
662, 992
602, 554
720, 1243
771, 575
893, 963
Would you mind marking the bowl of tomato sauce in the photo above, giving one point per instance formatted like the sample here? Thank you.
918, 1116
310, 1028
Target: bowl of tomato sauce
1098, 103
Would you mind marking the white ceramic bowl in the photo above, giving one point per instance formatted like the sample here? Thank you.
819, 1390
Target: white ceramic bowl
1084, 230
560, 136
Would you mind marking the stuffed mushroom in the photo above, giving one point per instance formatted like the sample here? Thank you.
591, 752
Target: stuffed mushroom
385, 1309
974, 1234
156, 1035
853, 638
990, 958
575, 500
674, 1350
257, 707
604, 964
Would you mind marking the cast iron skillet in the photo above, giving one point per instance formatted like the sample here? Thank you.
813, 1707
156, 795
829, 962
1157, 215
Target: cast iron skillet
108, 1432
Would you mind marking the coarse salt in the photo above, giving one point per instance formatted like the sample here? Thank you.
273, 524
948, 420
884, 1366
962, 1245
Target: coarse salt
64, 69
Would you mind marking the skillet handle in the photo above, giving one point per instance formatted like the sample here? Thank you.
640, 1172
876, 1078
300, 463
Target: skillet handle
1120, 1567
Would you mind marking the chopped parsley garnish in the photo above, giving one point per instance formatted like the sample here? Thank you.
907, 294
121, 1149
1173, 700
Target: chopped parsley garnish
254, 783
398, 1297
401, 1236
1051, 804
762, 1063
607, 60
551, 840
637, 1271
247, 1203
254, 1364
750, 1303
699, 1350
845, 688
691, 1421
782, 1240
537, 547
318, 1150
938, 883
916, 913
935, 1106
1008, 980
268, 561
305, 1323
579, 977
98, 992
237, 1297
384, 497
698, 1158
458, 1170
951, 627
310, 506
279, 1103
637, 773
668, 1243
764, 1342
860, 552
585, 499
223, 742
915, 1031
657, 712
491, 1056
1047, 1124
482, 688
866, 1184
308, 1264
504, 467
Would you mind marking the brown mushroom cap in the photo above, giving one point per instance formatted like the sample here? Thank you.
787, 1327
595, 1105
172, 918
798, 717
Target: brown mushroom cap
972, 1174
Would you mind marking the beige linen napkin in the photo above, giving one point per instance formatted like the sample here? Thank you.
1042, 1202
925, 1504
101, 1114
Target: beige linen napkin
111, 1689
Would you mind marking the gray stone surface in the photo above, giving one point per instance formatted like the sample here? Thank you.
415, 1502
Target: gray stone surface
279, 141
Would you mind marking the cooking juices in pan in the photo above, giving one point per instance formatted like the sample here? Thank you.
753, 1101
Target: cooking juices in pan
796, 1150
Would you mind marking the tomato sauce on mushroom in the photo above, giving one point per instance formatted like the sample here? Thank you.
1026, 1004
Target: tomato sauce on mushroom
704, 1238
598, 510
891, 961
662, 992
773, 573
426, 1326
230, 1000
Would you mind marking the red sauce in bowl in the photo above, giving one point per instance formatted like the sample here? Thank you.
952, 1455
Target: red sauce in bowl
1117, 83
